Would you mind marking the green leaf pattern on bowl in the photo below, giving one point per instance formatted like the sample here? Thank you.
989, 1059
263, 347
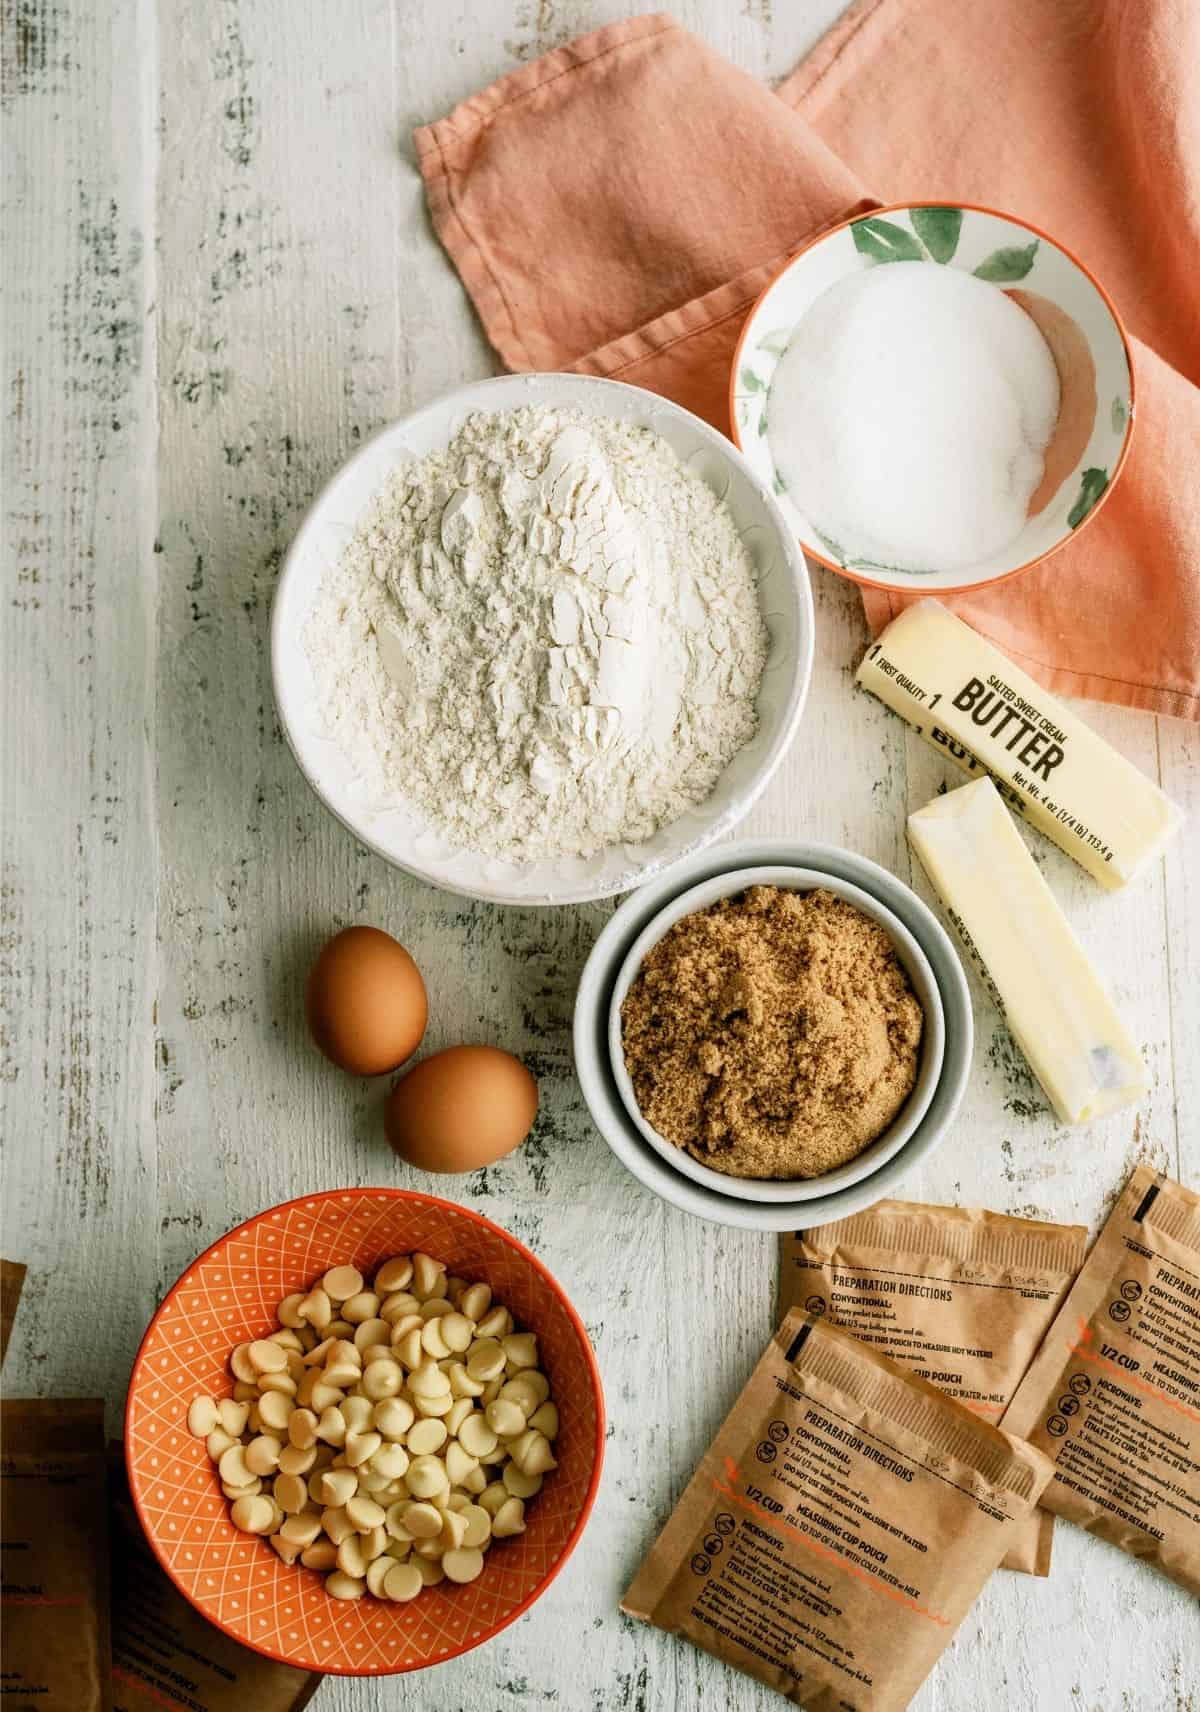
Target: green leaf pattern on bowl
1090, 488
884, 241
776, 343
1120, 414
938, 229
1006, 265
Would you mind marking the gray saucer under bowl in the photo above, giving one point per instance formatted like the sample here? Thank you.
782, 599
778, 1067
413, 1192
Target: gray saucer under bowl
654, 1166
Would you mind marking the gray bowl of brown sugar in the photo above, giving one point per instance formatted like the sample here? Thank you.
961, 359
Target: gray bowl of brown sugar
853, 1095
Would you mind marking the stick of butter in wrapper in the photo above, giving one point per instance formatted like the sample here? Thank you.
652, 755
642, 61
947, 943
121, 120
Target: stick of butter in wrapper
1036, 970
986, 715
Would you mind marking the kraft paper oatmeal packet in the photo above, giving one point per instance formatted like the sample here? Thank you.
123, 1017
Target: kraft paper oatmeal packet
165, 1654
1113, 1395
54, 1529
961, 1296
839, 1527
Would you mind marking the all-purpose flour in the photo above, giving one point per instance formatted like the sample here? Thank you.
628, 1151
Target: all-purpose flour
546, 638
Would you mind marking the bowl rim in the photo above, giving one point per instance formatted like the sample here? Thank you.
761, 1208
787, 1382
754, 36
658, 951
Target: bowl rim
624, 1141
573, 891
591, 1363
776, 1191
1013, 220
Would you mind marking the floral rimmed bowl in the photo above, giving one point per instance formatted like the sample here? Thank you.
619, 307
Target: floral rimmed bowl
1074, 314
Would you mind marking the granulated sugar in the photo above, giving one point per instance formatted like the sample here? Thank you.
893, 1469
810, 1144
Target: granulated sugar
909, 415
547, 637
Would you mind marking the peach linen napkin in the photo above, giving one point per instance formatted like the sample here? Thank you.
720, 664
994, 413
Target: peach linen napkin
616, 207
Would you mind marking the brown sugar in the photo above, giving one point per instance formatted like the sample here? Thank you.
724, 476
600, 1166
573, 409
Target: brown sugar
774, 1034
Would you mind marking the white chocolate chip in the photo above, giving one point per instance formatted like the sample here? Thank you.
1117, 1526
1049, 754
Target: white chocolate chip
462, 1564
426, 1437
275, 1412
370, 1332
545, 1420
505, 1418
361, 1447
477, 1527
289, 1311
232, 1467
316, 1309
363, 1306
393, 1418
402, 1582
428, 1380
303, 1530
253, 1515
343, 1586
485, 1360
427, 1476
476, 1436
356, 1412
202, 1417
266, 1357
336, 1485
454, 1530
492, 1497
475, 1301
282, 1382
422, 1521
394, 1274
364, 1513
321, 1555
262, 1454
342, 1282
294, 1461
508, 1520
520, 1350
382, 1380
427, 1275
432, 1341
520, 1485
496, 1323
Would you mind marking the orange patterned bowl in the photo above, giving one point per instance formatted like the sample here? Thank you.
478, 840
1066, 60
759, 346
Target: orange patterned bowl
229, 1295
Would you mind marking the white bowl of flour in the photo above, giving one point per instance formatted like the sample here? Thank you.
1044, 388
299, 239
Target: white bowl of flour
542, 639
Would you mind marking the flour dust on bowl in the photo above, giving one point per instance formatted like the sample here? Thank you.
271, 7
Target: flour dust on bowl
542, 639
657, 1167
230, 1298
838, 1059
940, 396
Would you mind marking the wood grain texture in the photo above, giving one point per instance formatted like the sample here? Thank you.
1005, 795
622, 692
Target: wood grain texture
219, 277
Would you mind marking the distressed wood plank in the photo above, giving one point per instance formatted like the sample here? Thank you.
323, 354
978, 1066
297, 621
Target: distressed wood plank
77, 819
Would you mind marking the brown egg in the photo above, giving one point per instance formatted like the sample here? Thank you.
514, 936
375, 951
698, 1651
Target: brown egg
366, 1002
461, 1109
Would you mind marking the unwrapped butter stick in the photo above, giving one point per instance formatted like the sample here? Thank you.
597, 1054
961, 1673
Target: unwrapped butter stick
983, 713
1055, 1006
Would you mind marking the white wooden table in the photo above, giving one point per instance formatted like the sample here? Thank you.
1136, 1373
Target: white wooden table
219, 277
